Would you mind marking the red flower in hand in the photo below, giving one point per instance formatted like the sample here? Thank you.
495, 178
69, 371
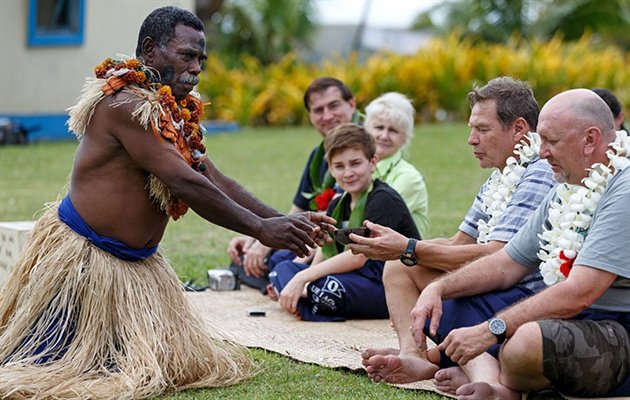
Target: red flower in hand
323, 199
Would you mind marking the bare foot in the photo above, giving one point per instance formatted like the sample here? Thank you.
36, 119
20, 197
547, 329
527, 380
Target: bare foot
368, 353
486, 391
399, 369
448, 380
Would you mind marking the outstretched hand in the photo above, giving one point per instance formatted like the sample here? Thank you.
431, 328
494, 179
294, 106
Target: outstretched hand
326, 224
296, 232
383, 244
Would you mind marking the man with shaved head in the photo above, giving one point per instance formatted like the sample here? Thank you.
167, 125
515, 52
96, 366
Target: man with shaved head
574, 334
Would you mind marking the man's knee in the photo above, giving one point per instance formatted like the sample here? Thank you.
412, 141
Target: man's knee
521, 359
394, 274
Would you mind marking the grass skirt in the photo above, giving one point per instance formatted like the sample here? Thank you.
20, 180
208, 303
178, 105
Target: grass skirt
133, 334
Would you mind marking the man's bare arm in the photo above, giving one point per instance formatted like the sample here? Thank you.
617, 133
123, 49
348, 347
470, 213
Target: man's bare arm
496, 271
562, 300
452, 254
256, 252
160, 158
445, 254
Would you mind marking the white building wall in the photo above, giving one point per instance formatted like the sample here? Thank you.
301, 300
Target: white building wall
47, 80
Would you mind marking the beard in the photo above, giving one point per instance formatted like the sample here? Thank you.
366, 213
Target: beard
561, 177
192, 80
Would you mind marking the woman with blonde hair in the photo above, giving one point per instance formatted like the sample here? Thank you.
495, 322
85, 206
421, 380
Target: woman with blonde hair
390, 119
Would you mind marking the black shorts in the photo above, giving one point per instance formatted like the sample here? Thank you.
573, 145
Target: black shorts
585, 357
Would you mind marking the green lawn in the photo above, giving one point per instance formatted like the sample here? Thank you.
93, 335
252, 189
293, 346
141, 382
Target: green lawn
268, 162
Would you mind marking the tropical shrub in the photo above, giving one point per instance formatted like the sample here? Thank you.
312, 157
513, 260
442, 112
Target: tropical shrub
437, 77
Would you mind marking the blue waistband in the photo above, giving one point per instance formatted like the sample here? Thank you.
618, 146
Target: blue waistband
70, 216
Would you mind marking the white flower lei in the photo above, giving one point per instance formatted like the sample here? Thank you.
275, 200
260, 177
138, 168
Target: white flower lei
502, 183
571, 216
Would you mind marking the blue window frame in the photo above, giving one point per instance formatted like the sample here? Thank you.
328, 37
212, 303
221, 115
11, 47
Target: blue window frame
56, 22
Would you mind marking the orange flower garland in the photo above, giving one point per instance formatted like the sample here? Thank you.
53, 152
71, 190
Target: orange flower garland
179, 123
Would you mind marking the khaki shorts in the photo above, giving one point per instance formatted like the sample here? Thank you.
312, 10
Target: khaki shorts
585, 357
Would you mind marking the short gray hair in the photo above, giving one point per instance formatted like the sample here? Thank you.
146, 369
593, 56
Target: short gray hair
394, 107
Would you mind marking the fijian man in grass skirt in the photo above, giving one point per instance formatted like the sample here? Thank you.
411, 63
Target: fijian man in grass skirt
92, 308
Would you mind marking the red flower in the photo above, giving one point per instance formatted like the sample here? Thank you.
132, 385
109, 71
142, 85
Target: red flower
323, 199
567, 264
166, 96
194, 142
167, 100
177, 209
130, 77
177, 115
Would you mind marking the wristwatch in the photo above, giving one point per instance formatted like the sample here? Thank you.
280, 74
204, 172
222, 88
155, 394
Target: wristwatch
497, 327
409, 257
